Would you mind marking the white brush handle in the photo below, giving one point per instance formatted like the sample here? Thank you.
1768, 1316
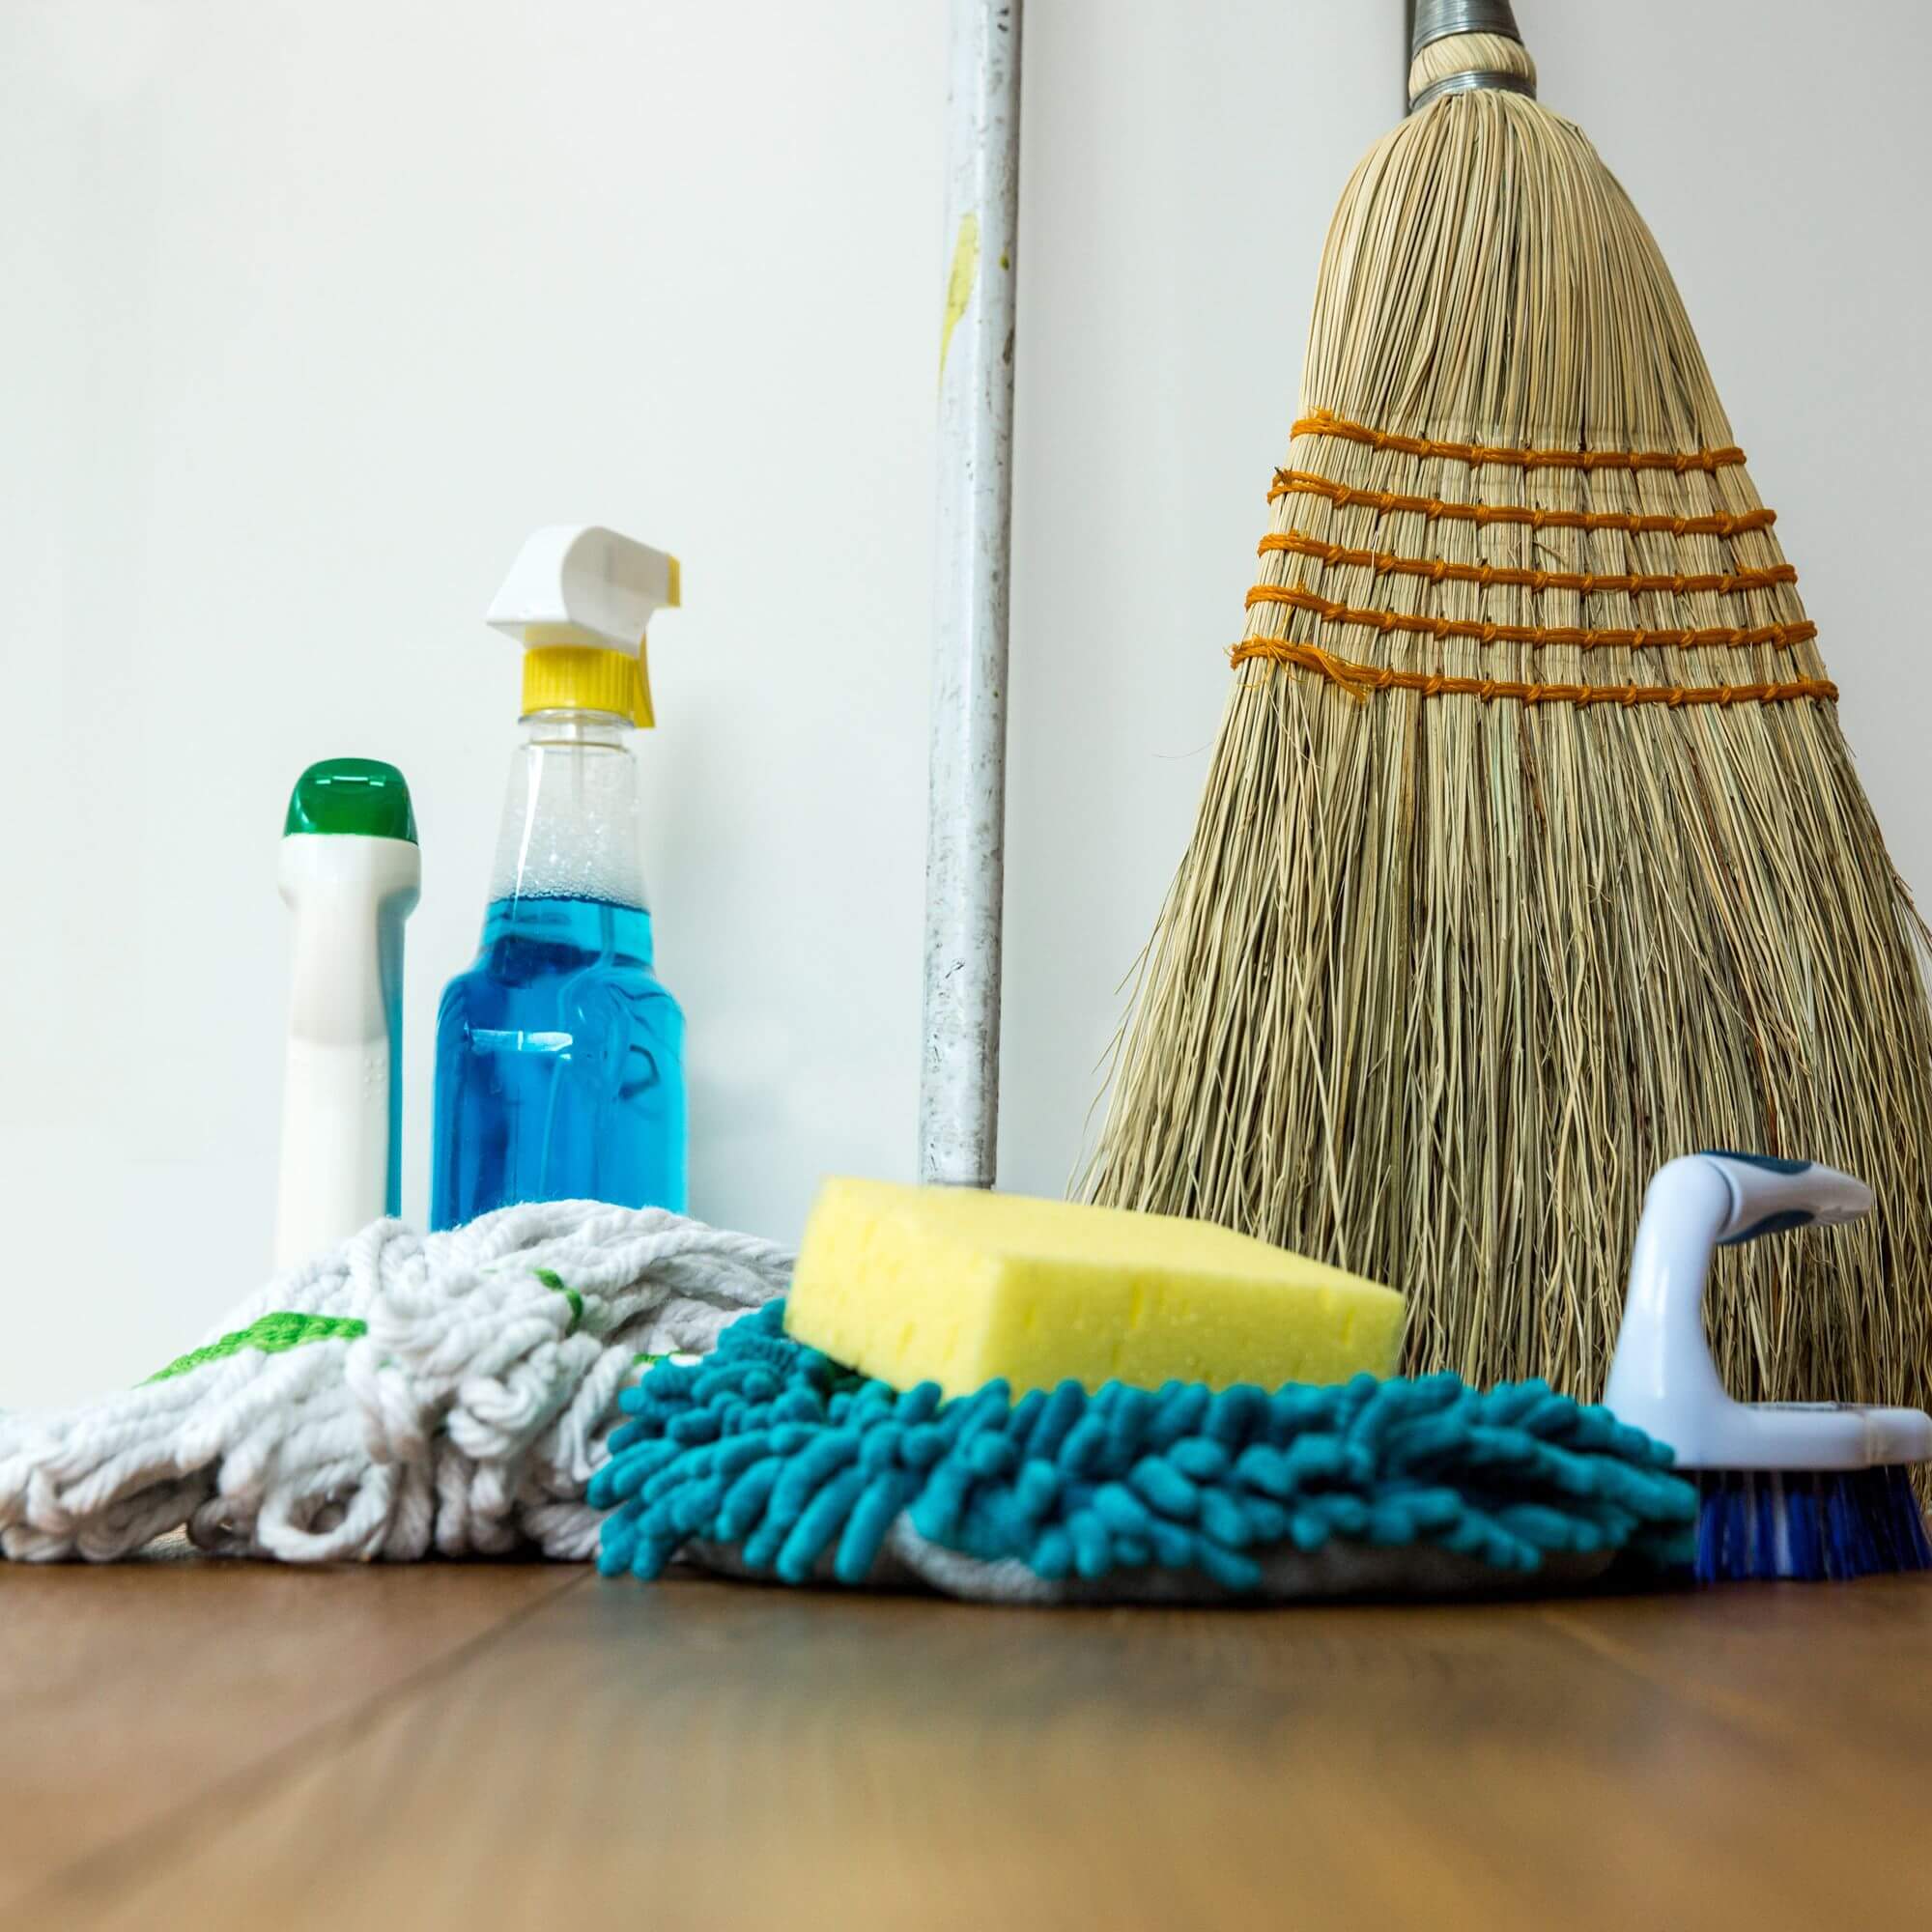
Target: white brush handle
1662, 1380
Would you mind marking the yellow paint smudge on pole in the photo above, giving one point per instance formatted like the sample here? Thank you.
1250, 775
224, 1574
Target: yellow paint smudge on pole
959, 282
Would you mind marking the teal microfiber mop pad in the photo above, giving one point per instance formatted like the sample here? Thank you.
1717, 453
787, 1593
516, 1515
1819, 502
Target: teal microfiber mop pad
769, 1459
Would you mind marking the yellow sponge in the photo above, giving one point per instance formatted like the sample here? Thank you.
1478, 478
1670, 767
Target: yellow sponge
956, 1287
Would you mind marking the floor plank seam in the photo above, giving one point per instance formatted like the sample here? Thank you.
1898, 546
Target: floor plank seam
1752, 1720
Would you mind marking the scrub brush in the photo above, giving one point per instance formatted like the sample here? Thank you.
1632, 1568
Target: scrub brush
1801, 1490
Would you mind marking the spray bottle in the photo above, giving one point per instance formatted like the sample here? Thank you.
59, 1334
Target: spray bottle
559, 1055
351, 873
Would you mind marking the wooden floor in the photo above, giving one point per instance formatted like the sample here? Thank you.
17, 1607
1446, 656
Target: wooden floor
216, 1744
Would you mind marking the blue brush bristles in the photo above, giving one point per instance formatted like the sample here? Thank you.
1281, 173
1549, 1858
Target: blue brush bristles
799, 1467
1814, 1525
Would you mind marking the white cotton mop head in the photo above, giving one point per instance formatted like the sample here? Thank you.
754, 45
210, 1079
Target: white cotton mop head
402, 1394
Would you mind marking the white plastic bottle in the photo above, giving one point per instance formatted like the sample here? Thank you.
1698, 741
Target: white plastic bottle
351, 872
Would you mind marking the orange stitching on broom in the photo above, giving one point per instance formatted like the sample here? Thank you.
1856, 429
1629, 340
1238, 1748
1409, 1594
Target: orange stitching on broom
1363, 679
1388, 503
1321, 423
1782, 636
1438, 571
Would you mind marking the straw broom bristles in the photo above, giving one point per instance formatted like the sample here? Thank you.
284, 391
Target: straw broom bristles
1441, 982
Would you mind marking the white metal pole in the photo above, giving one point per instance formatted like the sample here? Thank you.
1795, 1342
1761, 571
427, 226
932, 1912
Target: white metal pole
965, 850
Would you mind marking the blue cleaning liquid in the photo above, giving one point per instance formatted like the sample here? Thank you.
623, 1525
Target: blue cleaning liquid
560, 1065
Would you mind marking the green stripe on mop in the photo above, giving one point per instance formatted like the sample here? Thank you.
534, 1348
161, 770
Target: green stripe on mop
271, 1334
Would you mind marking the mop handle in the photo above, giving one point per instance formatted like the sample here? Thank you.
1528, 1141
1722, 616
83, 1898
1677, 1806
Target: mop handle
965, 853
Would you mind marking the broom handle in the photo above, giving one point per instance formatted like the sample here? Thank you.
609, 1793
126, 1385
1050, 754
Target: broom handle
965, 848
1432, 20
1437, 20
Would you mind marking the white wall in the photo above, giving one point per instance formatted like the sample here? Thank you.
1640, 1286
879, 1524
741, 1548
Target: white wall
313, 311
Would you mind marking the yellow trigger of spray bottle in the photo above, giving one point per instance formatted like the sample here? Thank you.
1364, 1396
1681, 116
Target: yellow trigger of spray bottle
559, 1055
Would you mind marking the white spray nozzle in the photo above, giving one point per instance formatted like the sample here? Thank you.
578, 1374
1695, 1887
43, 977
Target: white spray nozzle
576, 596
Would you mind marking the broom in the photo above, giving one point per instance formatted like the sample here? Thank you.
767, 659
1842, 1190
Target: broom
1531, 852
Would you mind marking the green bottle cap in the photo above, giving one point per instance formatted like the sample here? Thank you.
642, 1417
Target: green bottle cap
357, 795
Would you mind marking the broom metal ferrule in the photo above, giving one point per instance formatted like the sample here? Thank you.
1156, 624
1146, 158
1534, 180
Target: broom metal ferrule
1470, 83
1439, 19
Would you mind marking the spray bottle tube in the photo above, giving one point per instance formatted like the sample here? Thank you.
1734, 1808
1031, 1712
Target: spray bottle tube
351, 872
